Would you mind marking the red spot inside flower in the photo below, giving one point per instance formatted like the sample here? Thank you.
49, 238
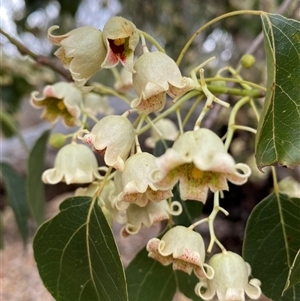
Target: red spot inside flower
118, 48
101, 151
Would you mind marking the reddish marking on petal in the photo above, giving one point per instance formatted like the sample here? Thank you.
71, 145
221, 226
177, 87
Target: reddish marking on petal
48, 91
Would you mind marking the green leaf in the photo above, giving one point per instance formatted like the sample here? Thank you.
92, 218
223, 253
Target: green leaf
278, 134
272, 239
149, 280
35, 186
294, 273
15, 188
76, 254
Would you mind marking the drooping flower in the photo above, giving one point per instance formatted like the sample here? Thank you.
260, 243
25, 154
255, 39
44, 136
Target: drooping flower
120, 37
137, 187
124, 83
230, 281
199, 161
82, 51
96, 104
74, 163
184, 248
152, 213
112, 137
156, 76
168, 131
59, 100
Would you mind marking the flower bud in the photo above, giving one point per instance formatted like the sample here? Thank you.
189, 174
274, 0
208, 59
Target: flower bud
247, 61
57, 140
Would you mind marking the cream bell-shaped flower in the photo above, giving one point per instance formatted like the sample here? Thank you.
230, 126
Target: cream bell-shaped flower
152, 213
124, 83
74, 164
112, 137
199, 161
120, 37
156, 76
168, 130
231, 279
59, 100
137, 187
185, 248
96, 104
82, 51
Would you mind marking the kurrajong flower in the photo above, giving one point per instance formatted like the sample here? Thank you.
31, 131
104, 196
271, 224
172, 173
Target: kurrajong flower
112, 137
59, 100
184, 248
167, 129
96, 104
152, 213
82, 51
120, 37
199, 161
74, 163
156, 76
230, 281
137, 187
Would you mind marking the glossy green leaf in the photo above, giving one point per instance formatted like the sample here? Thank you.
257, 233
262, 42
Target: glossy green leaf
272, 240
294, 273
149, 280
76, 254
35, 186
278, 134
15, 189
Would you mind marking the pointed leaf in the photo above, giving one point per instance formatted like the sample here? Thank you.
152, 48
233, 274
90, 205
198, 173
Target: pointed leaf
77, 256
278, 134
15, 189
149, 280
35, 186
294, 273
272, 239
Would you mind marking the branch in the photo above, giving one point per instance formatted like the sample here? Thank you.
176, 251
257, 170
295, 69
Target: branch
40, 59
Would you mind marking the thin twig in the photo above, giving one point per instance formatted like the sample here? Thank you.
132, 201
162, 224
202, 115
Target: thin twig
40, 59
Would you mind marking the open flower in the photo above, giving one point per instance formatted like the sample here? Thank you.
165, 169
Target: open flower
185, 248
112, 137
156, 76
59, 100
152, 213
168, 131
120, 37
82, 51
231, 279
137, 187
74, 163
198, 159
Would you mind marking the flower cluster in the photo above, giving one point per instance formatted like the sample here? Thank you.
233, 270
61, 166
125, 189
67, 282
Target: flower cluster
138, 187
